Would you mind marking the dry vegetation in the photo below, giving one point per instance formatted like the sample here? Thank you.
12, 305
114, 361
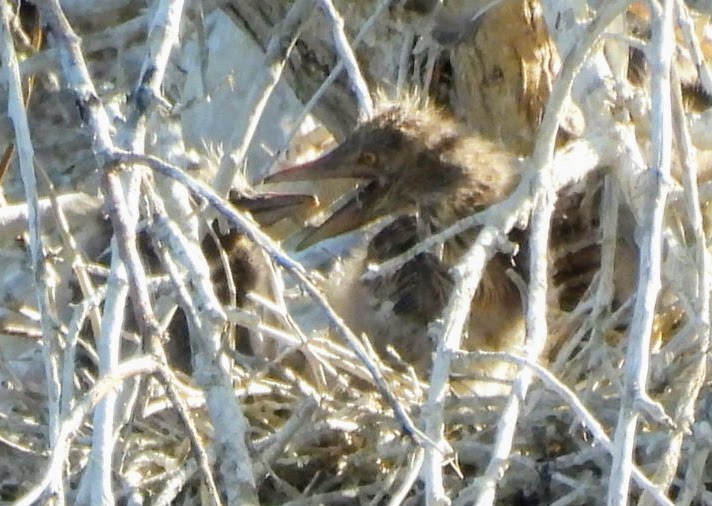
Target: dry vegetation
102, 399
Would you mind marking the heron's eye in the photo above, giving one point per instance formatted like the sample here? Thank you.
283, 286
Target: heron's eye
368, 158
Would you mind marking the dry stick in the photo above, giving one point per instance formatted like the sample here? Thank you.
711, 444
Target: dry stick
35, 43
333, 75
188, 255
702, 306
684, 415
162, 36
276, 56
456, 312
77, 259
171, 483
581, 493
246, 226
693, 485
432, 57
225, 265
149, 327
692, 194
569, 396
543, 206
116, 37
603, 296
77, 76
97, 122
111, 38
346, 55
71, 424
278, 307
25, 153
343, 496
141, 366
207, 322
634, 396
166, 236
412, 471
148, 324
404, 59
466, 277
13, 218
583, 155
81, 311
328, 354
299, 420
687, 27
169, 382
609, 227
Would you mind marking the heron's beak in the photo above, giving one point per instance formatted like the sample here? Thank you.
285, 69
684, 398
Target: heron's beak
341, 162
268, 208
355, 213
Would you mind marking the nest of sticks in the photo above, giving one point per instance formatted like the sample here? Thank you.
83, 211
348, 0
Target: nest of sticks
309, 414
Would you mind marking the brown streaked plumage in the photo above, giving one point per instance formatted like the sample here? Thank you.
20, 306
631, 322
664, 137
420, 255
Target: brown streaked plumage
503, 66
425, 170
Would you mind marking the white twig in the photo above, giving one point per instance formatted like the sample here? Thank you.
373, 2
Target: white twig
97, 121
694, 483
78, 264
684, 414
114, 37
347, 56
276, 56
609, 226
298, 421
657, 181
173, 482
14, 218
585, 156
543, 196
333, 75
162, 36
415, 462
25, 155
691, 40
124, 219
585, 416
403, 61
75, 326
467, 275
70, 425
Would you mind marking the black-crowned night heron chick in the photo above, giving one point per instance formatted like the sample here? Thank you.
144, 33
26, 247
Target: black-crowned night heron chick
424, 170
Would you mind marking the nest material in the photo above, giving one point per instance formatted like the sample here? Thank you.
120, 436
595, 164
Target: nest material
319, 432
